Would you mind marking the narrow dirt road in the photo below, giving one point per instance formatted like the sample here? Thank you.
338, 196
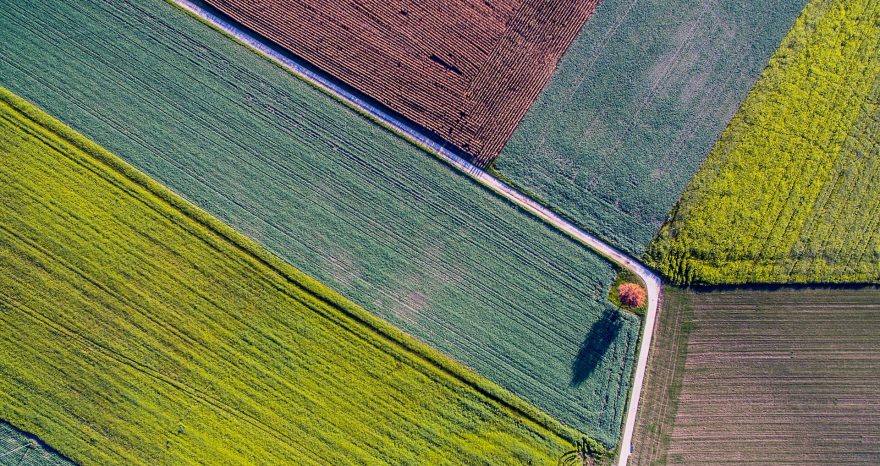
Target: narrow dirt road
476, 173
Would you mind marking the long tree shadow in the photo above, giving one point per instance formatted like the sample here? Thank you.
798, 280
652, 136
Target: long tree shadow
603, 332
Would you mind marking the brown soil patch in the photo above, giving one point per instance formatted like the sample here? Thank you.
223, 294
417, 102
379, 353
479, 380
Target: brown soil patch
743, 376
467, 70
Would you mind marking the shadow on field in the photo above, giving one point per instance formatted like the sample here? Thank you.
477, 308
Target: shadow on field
594, 347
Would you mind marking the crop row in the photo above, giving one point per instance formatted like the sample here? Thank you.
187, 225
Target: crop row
635, 106
20, 448
789, 376
134, 331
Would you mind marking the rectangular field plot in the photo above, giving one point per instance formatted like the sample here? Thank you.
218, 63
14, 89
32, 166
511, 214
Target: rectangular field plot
790, 376
465, 69
791, 192
635, 106
135, 329
340, 198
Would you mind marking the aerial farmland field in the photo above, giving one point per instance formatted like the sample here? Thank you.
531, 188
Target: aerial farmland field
147, 332
783, 376
635, 106
791, 192
467, 70
339, 197
433, 233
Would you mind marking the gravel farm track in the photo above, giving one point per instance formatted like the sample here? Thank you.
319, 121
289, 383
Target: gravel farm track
408, 131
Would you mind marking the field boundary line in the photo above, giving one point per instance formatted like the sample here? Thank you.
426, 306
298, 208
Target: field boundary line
409, 132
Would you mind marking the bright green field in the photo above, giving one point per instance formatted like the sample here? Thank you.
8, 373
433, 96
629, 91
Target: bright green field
636, 105
340, 198
791, 192
136, 329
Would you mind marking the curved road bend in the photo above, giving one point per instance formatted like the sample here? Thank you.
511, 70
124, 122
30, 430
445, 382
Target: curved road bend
651, 281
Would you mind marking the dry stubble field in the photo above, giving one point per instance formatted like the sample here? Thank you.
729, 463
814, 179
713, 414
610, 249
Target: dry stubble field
788, 376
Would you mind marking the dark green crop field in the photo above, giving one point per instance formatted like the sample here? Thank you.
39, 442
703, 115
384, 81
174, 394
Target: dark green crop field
337, 196
636, 105
787, 376
136, 329
791, 192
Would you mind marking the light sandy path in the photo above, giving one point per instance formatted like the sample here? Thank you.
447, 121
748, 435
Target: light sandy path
406, 130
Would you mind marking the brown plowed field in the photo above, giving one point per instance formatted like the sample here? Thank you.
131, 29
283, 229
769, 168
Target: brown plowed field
465, 69
790, 376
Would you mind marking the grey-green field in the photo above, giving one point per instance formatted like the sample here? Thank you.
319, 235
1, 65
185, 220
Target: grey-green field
636, 105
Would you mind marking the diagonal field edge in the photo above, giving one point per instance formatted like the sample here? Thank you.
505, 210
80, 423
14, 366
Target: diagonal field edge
414, 135
350, 315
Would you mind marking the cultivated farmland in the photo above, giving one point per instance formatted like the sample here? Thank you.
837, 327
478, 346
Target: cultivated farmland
635, 106
136, 329
789, 376
791, 192
466, 70
337, 196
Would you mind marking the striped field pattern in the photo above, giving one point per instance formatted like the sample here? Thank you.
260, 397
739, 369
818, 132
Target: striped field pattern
747, 376
339, 197
136, 329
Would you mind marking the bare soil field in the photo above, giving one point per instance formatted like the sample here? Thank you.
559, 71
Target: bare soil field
788, 376
663, 379
467, 70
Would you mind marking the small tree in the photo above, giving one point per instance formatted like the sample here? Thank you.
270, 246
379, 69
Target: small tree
632, 295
